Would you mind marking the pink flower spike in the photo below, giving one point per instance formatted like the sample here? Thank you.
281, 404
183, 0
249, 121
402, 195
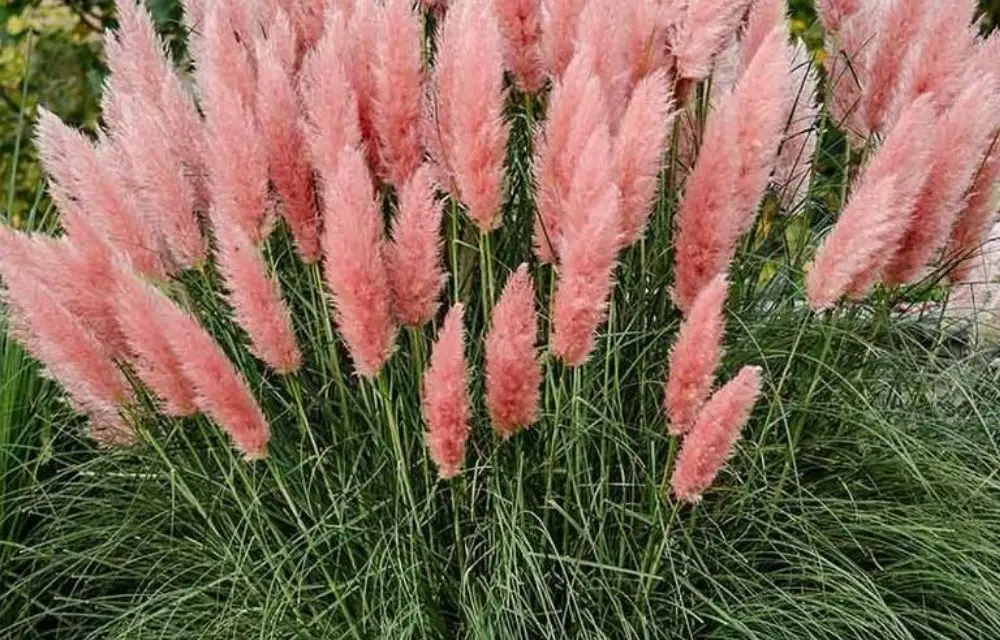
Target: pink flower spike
414, 258
355, 271
603, 27
521, 24
793, 168
706, 27
513, 370
255, 298
876, 218
469, 103
765, 17
711, 441
359, 63
559, 20
639, 147
648, 31
279, 112
398, 90
695, 357
973, 227
446, 403
847, 68
832, 13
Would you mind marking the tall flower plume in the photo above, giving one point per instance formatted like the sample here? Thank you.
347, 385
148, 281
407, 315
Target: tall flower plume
604, 27
703, 32
559, 19
764, 17
469, 134
521, 24
709, 445
355, 269
876, 218
847, 69
279, 111
414, 258
793, 168
398, 90
832, 13
973, 227
513, 370
362, 35
648, 29
695, 357
446, 404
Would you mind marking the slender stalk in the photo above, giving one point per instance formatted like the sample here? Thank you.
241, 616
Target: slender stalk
456, 294
402, 464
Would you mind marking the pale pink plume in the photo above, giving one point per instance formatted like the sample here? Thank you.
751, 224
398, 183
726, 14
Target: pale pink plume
414, 259
711, 442
793, 168
255, 297
521, 24
648, 29
847, 68
220, 391
469, 101
576, 110
639, 147
88, 192
963, 138
833, 13
764, 17
695, 357
513, 370
706, 27
603, 27
973, 227
398, 91
446, 404
136, 305
279, 112
559, 20
587, 251
876, 217
226, 69
355, 270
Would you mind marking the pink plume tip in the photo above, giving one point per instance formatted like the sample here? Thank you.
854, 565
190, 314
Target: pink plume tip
521, 24
705, 28
559, 20
446, 403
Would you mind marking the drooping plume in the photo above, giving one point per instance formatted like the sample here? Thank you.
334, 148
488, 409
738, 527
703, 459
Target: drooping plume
446, 404
877, 216
513, 370
847, 69
414, 258
559, 19
355, 271
973, 227
469, 135
398, 90
695, 357
521, 24
279, 112
710, 443
706, 27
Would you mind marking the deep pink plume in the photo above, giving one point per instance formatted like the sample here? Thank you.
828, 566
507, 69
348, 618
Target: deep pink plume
695, 357
710, 444
975, 222
468, 103
446, 404
279, 112
639, 147
962, 140
521, 24
706, 27
398, 90
833, 13
414, 258
559, 20
877, 216
513, 370
355, 271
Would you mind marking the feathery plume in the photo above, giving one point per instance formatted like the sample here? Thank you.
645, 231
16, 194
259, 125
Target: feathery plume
695, 357
847, 69
398, 90
446, 404
278, 110
648, 28
973, 227
513, 370
705, 28
710, 443
602, 26
355, 271
876, 218
469, 101
414, 258
959, 149
833, 13
764, 17
521, 24
362, 35
793, 168
639, 148
226, 67
559, 19
306, 17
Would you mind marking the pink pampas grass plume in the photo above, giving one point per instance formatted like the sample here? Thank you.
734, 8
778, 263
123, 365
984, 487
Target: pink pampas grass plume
398, 90
847, 68
136, 305
703, 32
255, 298
226, 67
973, 226
521, 24
513, 370
355, 270
559, 20
446, 404
963, 139
471, 135
648, 29
603, 27
414, 258
695, 357
833, 13
639, 148
362, 35
876, 218
710, 443
307, 19
278, 110
793, 168
764, 17
576, 110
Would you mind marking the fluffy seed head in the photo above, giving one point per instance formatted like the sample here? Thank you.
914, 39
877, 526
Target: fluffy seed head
446, 404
